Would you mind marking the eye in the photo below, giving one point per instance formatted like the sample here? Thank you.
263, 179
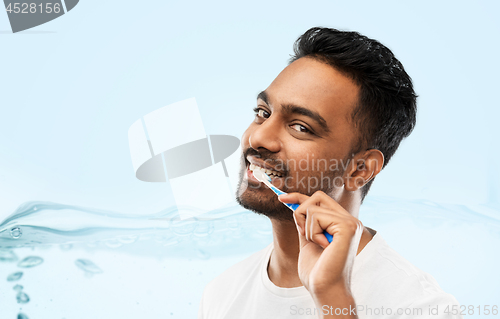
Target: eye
300, 128
260, 112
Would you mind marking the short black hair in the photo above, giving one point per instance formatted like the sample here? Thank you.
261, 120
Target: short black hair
387, 107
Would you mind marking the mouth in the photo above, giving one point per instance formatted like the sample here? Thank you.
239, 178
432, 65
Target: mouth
270, 173
273, 174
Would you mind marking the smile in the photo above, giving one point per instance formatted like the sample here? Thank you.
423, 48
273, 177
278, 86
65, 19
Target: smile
269, 172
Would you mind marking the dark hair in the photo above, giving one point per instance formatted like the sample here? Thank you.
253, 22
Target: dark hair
386, 110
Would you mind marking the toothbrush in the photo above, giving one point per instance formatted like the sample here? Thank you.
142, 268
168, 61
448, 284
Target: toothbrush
264, 178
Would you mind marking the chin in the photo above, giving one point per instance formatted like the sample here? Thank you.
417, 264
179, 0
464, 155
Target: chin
266, 204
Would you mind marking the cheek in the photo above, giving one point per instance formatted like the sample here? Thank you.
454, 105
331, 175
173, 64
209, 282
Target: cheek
300, 159
308, 160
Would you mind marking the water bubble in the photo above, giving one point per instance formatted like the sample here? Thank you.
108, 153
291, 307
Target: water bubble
30, 261
168, 239
183, 228
7, 255
232, 224
159, 238
171, 242
22, 297
22, 316
87, 266
113, 243
237, 233
93, 244
204, 228
66, 247
15, 276
128, 239
16, 232
18, 288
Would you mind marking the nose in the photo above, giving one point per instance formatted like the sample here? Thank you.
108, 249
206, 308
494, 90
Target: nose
266, 135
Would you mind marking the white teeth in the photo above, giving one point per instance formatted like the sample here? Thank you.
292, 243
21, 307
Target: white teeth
268, 172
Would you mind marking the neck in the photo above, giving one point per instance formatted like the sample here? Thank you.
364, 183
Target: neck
283, 264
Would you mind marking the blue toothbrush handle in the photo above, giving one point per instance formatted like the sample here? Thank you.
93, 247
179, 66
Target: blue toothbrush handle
292, 206
328, 236
295, 206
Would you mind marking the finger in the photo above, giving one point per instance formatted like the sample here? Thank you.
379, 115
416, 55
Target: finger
301, 212
319, 219
319, 198
302, 220
301, 198
334, 223
317, 232
341, 254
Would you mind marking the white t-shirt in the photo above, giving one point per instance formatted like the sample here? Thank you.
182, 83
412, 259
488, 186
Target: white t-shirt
383, 284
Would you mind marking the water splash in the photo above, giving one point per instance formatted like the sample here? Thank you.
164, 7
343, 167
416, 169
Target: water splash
7, 255
139, 233
88, 266
225, 232
65, 247
216, 233
16, 232
15, 276
30, 261
22, 297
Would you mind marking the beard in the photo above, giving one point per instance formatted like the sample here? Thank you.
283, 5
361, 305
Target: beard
258, 198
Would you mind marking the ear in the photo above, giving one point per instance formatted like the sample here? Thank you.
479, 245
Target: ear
364, 167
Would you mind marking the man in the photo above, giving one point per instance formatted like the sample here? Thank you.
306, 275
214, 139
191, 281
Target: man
323, 130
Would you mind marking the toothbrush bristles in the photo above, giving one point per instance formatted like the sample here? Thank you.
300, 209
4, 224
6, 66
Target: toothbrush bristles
261, 176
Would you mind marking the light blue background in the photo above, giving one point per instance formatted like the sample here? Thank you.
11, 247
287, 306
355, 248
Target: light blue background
68, 97
70, 89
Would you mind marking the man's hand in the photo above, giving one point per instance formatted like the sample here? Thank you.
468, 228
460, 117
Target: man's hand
325, 268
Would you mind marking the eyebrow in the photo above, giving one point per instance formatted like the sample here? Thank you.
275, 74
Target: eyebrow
295, 109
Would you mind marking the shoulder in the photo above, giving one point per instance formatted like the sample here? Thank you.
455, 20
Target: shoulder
381, 276
235, 280
239, 272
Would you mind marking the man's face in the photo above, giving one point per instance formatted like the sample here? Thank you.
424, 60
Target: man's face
302, 131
